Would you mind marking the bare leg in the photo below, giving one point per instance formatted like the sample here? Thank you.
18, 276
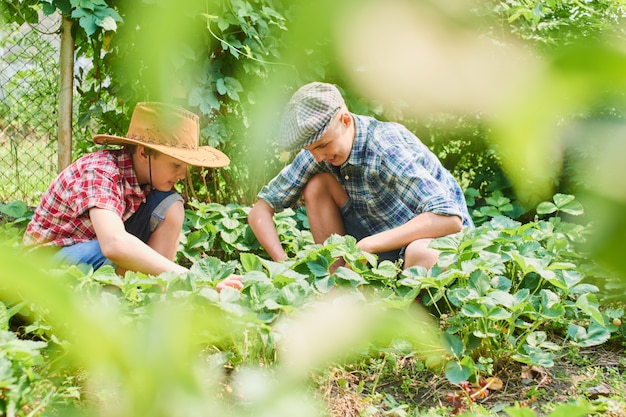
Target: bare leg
323, 198
166, 237
418, 253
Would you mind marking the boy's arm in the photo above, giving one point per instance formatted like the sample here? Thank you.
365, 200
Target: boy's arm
424, 225
124, 249
261, 222
130, 253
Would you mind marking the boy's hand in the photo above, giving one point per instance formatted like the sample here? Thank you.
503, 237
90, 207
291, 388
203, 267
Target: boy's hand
233, 281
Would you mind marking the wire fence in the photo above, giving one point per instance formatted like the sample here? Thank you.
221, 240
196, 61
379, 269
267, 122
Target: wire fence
29, 86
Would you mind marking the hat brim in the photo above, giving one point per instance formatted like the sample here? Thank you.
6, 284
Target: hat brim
204, 156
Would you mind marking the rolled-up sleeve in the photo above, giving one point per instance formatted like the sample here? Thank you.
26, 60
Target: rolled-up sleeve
284, 190
422, 183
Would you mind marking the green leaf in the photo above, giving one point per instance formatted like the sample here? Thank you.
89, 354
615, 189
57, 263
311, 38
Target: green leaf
454, 344
504, 223
272, 305
448, 243
256, 277
230, 236
211, 269
48, 9
546, 208
487, 211
588, 304
529, 264
584, 288
14, 209
200, 239
229, 295
319, 267
87, 20
349, 275
233, 88
281, 280
593, 336
386, 269
537, 338
562, 199
567, 204
498, 313
220, 86
459, 296
250, 262
204, 99
294, 294
231, 224
574, 208
457, 373
326, 284
501, 298
480, 282
549, 298
540, 357
551, 304
569, 277
109, 24
280, 268
474, 310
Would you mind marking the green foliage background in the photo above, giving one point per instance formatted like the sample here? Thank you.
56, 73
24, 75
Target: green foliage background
235, 63
552, 125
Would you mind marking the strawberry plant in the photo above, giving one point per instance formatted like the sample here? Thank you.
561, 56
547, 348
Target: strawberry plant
14, 217
496, 205
18, 377
503, 289
503, 292
222, 231
25, 388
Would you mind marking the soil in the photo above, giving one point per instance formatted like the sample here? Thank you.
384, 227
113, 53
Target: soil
586, 374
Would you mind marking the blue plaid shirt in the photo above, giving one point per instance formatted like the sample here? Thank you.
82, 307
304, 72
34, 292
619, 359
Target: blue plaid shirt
390, 176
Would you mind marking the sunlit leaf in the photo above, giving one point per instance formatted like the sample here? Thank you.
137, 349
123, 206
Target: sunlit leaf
350, 276
589, 305
456, 373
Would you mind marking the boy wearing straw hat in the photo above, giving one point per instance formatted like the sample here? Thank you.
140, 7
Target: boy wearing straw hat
118, 206
358, 176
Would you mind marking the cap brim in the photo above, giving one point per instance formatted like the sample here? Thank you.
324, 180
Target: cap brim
204, 156
291, 141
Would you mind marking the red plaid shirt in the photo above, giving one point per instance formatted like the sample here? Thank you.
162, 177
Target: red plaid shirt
104, 179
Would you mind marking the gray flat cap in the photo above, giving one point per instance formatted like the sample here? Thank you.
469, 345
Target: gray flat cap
308, 115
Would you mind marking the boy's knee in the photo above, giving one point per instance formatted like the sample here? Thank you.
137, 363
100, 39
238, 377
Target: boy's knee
175, 213
170, 210
418, 253
319, 183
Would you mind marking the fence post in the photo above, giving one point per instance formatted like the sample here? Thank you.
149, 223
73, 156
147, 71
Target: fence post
66, 92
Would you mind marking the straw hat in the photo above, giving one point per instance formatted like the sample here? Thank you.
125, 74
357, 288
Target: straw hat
308, 114
169, 129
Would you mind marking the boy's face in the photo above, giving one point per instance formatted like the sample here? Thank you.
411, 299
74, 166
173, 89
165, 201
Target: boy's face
335, 145
166, 171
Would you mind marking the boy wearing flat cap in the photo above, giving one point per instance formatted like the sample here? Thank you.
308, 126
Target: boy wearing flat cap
358, 176
117, 206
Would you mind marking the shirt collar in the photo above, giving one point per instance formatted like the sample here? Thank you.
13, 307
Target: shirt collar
357, 155
125, 163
